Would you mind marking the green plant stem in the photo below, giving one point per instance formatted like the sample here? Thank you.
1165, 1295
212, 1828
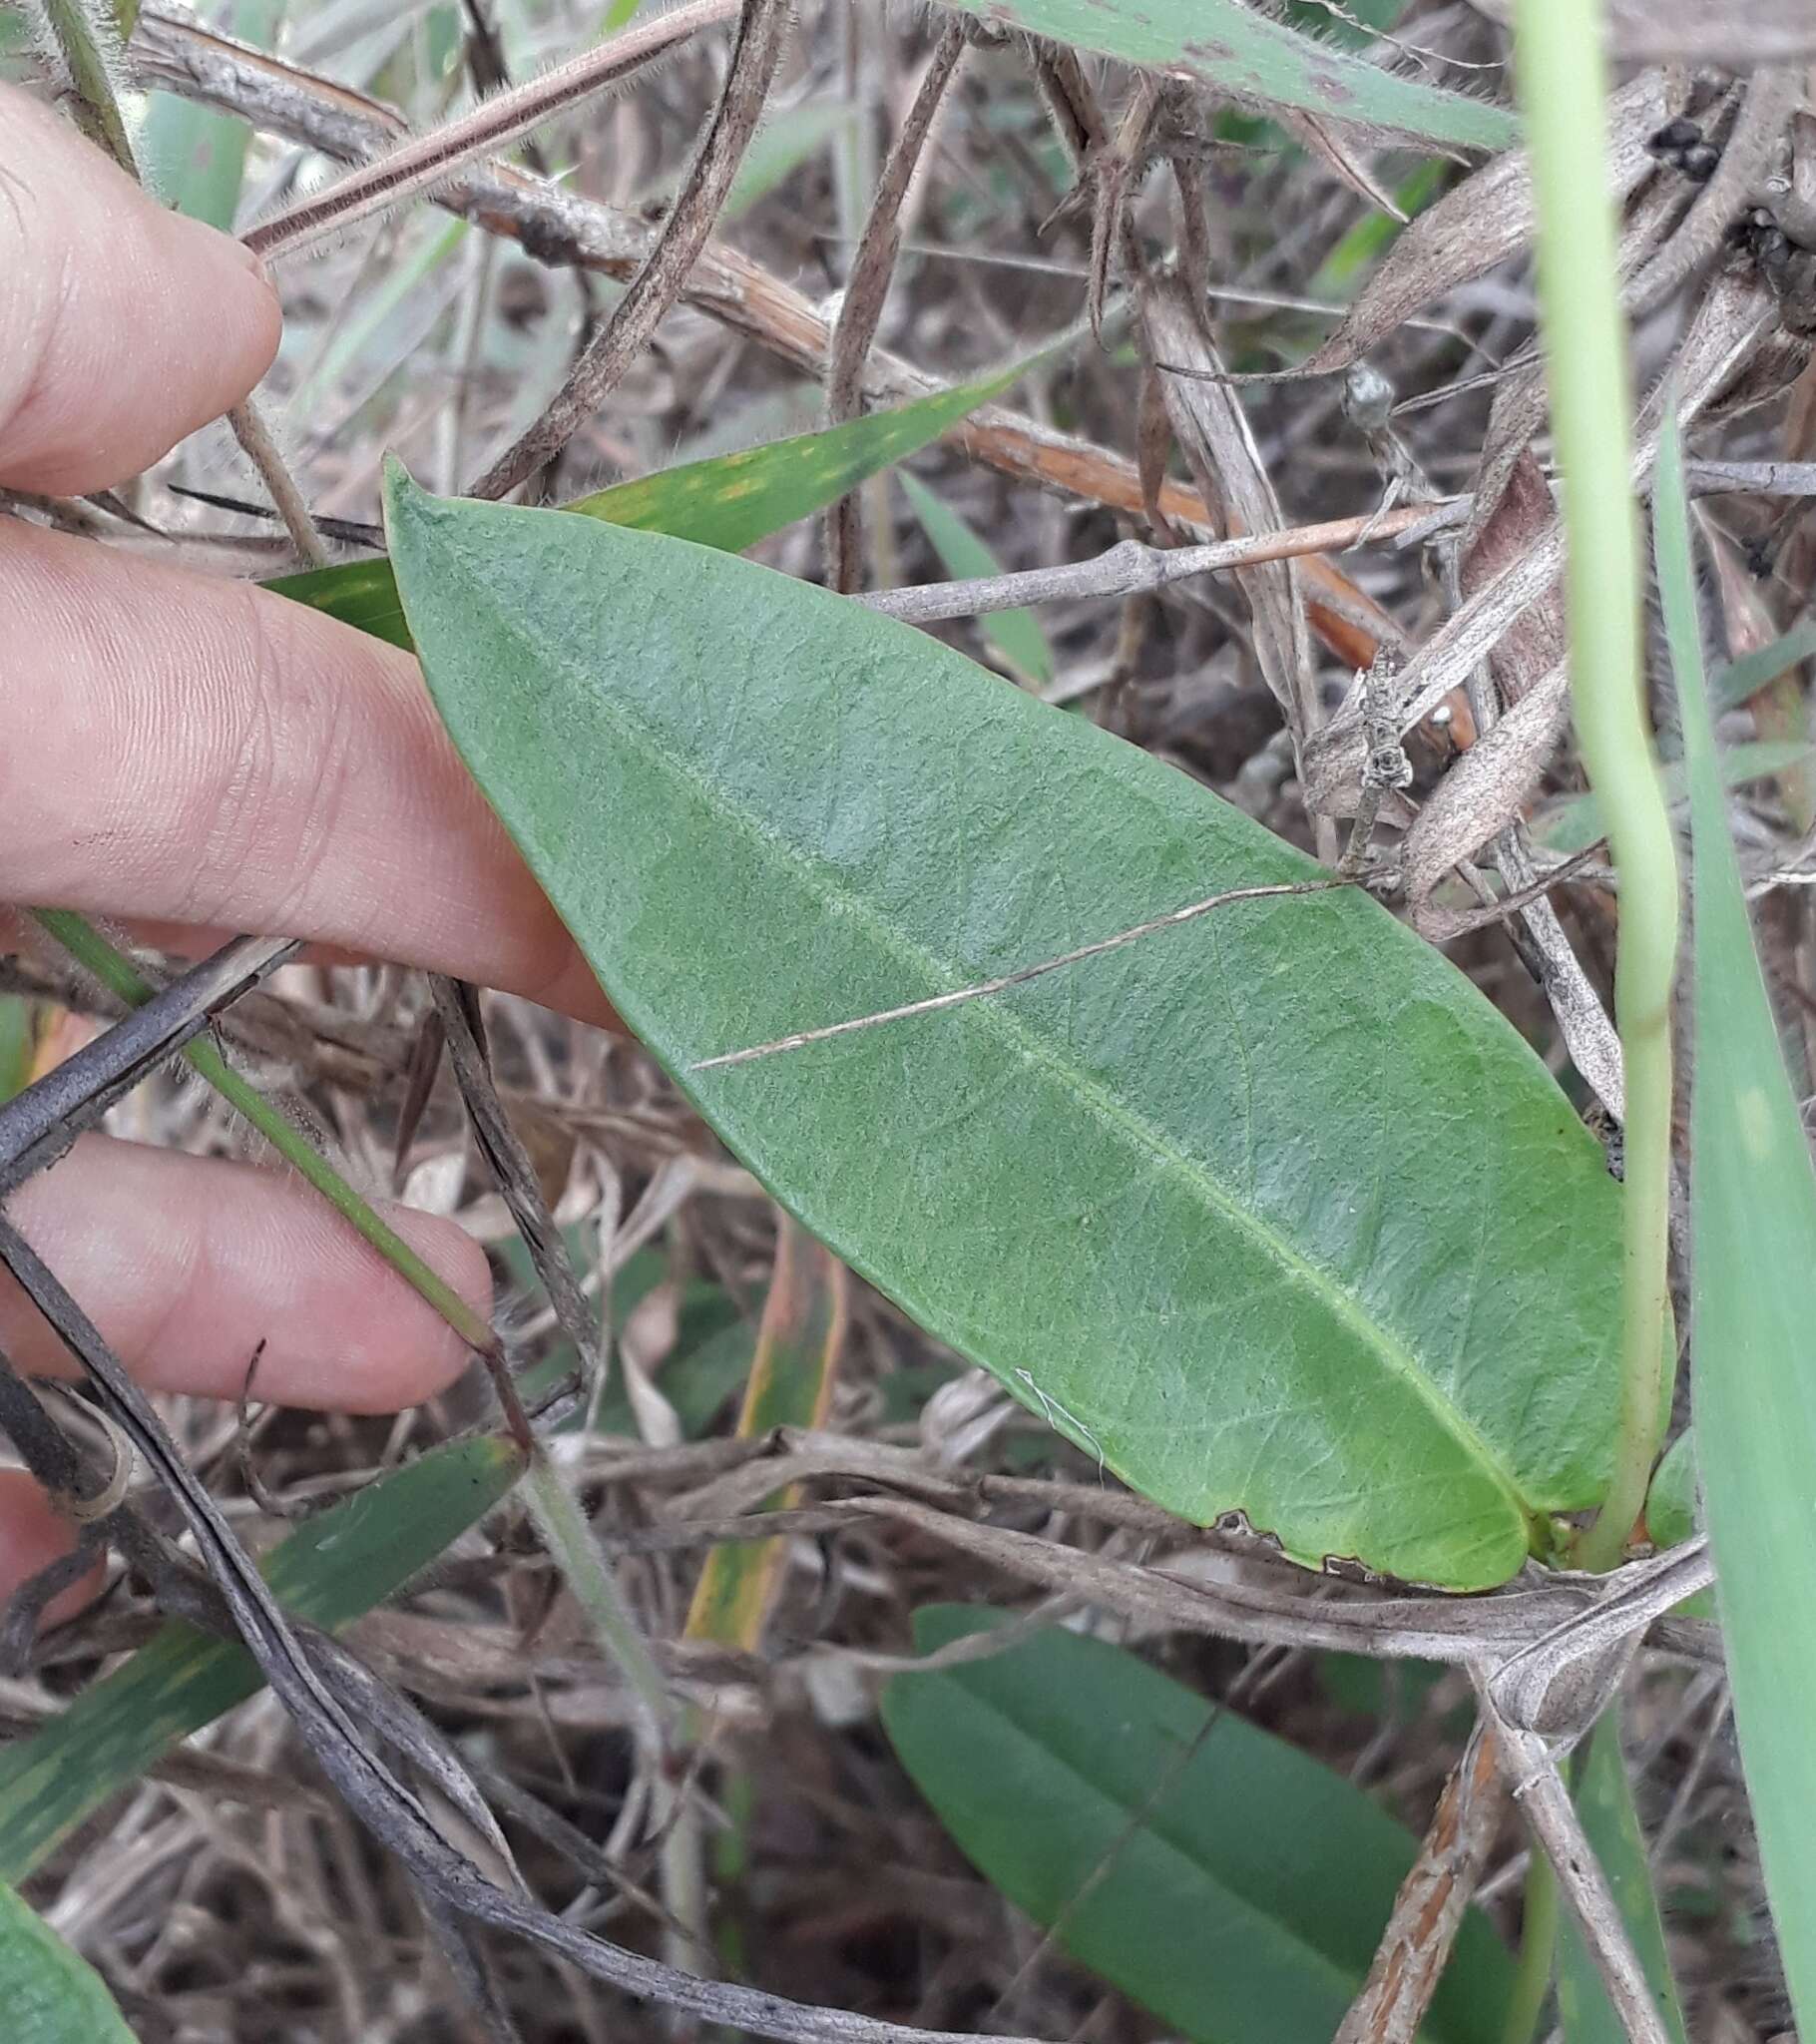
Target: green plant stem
92, 952
571, 1546
87, 36
1557, 46
1538, 1952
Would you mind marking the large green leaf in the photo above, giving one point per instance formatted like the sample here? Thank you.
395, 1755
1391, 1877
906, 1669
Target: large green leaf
52, 1995
729, 501
1273, 1210
1752, 1306
1229, 1883
1604, 1801
332, 1568
1237, 50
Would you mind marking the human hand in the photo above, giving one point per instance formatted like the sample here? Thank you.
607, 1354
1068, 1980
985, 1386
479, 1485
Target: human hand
196, 757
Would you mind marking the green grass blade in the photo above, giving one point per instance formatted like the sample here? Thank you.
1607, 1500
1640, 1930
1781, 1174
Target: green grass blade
52, 1995
1604, 1801
332, 1568
1229, 1883
1238, 52
791, 1383
1015, 637
729, 500
116, 972
1745, 677
1753, 1304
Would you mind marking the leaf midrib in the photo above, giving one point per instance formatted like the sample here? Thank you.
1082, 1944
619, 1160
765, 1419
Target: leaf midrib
1151, 1826
1296, 1266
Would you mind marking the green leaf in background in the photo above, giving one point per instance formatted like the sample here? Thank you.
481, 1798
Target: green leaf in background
791, 1377
1237, 49
1231, 1885
729, 501
1670, 1503
421, 252
18, 1043
52, 1994
1743, 679
1605, 1801
1753, 1305
709, 1361
787, 137
1225, 1205
332, 1569
1574, 822
1670, 1513
1015, 637
193, 157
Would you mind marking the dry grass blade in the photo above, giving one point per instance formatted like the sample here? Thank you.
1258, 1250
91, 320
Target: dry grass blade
1427, 1910
38, 1124
723, 283
1219, 449
1770, 96
1561, 1682
430, 160
1129, 568
1728, 326
755, 51
394, 1816
867, 288
1484, 220
1539, 1791
1480, 794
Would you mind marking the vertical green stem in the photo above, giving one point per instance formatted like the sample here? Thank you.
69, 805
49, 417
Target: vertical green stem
1562, 83
1538, 1952
88, 37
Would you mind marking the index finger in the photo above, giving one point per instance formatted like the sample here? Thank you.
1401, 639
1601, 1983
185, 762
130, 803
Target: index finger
122, 326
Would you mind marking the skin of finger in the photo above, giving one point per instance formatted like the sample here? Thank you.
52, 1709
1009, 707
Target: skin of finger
186, 1263
33, 1534
212, 755
122, 326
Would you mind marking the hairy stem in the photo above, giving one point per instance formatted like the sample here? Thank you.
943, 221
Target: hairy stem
1562, 90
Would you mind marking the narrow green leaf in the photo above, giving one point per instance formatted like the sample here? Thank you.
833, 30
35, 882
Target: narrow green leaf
1240, 52
193, 157
1362, 245
1221, 1878
1574, 822
1745, 677
780, 147
1015, 636
791, 1377
332, 1569
1604, 1801
1754, 1303
410, 267
730, 501
52, 1994
1225, 1205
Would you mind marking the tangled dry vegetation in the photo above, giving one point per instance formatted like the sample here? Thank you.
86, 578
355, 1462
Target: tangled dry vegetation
921, 203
